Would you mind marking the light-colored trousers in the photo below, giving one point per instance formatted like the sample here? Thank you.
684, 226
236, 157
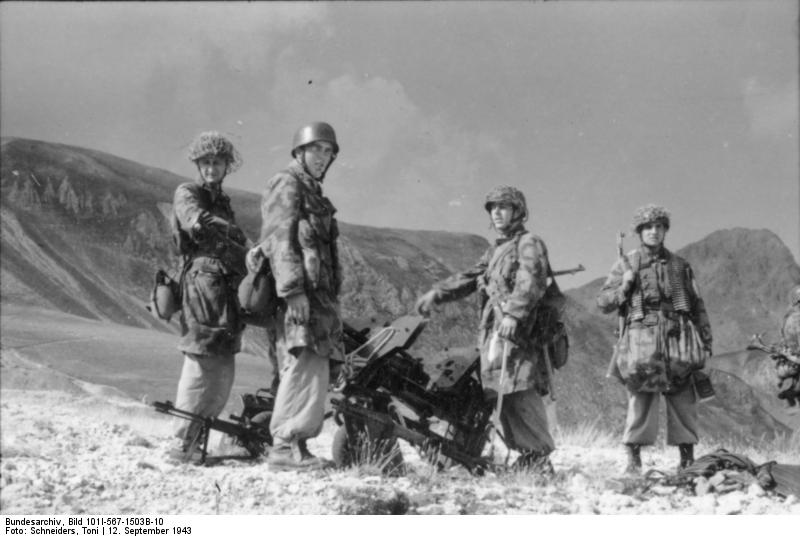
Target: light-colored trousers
300, 401
203, 388
641, 424
523, 419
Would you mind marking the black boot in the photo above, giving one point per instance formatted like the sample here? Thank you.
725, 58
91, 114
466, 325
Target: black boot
687, 455
634, 459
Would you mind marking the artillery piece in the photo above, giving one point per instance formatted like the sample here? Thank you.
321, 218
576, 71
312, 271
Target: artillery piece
384, 394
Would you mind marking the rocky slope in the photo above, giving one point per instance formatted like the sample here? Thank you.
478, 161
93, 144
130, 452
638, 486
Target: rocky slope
83, 232
93, 453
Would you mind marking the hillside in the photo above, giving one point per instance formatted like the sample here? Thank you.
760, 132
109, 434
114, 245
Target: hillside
83, 232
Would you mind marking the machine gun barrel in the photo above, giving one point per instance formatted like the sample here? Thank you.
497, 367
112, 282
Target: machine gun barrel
250, 436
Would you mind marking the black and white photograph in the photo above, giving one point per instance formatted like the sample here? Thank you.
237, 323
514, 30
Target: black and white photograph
398, 258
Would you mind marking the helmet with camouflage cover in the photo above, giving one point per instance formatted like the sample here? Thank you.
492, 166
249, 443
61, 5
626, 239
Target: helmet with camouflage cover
794, 296
649, 214
508, 195
216, 144
318, 131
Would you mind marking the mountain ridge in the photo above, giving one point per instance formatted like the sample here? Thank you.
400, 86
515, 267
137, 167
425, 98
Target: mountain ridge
84, 231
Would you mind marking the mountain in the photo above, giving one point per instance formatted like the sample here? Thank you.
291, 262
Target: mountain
744, 276
83, 233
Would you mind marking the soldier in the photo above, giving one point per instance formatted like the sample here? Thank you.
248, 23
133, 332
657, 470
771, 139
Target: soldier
665, 337
213, 249
511, 279
788, 365
299, 236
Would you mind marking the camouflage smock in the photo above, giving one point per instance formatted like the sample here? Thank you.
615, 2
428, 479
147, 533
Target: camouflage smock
299, 236
790, 331
214, 265
511, 279
789, 367
666, 333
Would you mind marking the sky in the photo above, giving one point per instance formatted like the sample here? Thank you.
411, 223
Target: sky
592, 109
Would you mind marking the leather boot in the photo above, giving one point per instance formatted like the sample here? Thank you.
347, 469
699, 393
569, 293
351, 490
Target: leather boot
634, 459
687, 455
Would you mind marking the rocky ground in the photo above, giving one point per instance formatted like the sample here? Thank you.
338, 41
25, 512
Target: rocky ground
97, 452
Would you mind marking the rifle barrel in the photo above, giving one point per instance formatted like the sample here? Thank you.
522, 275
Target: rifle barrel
579, 268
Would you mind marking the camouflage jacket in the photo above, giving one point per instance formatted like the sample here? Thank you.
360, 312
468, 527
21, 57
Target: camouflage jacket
790, 331
511, 279
299, 236
226, 242
214, 256
653, 353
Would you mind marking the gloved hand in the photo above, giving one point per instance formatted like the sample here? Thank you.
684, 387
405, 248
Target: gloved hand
508, 326
254, 259
425, 303
297, 308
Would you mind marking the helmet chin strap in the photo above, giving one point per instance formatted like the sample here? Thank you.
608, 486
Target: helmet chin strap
302, 161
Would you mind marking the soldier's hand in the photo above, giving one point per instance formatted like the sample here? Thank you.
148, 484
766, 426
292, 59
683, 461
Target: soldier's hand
297, 308
508, 326
627, 279
207, 220
425, 303
254, 259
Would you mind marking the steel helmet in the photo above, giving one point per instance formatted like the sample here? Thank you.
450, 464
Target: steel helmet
794, 295
318, 131
649, 214
217, 144
509, 195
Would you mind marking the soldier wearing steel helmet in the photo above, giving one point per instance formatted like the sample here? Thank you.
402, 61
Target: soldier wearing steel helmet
213, 248
665, 338
299, 237
511, 279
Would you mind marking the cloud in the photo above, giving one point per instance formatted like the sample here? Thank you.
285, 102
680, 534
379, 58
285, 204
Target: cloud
394, 153
772, 110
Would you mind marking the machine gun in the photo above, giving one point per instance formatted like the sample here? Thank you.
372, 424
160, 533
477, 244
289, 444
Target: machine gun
249, 430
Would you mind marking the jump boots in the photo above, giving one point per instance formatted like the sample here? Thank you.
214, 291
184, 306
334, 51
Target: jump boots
687, 455
634, 459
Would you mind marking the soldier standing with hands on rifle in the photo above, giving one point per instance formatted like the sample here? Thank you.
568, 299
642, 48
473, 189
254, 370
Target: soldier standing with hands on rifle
213, 249
664, 339
299, 235
511, 278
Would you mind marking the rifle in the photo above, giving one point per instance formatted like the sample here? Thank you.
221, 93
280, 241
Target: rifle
247, 433
579, 268
773, 349
622, 311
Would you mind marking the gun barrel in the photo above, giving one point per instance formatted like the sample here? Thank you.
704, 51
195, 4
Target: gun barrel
579, 268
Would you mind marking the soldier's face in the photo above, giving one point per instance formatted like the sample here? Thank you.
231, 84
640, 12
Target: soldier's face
318, 155
653, 234
212, 168
501, 215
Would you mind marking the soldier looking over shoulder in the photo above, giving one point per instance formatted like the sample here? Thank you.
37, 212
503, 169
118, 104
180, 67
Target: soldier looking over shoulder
213, 249
299, 236
665, 337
